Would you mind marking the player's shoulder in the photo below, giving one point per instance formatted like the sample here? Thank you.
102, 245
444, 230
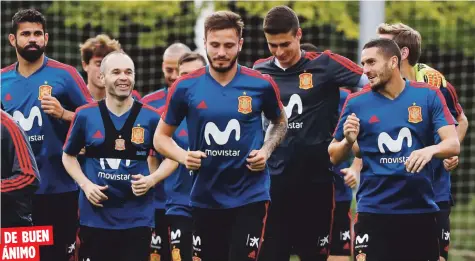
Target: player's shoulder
188, 80
258, 78
345, 91
429, 75
154, 96
10, 68
263, 63
361, 96
88, 108
6, 118
150, 111
62, 68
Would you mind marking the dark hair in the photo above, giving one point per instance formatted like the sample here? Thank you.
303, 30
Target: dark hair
221, 20
98, 46
308, 47
387, 47
28, 15
190, 57
404, 36
281, 20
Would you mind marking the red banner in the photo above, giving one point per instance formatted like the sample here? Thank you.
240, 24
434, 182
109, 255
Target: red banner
22, 243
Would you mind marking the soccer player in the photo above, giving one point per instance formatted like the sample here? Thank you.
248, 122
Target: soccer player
409, 41
20, 177
223, 105
93, 50
300, 167
115, 202
159, 245
178, 186
340, 244
34, 91
390, 126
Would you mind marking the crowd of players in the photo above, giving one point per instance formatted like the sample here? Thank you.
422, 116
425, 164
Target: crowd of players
213, 166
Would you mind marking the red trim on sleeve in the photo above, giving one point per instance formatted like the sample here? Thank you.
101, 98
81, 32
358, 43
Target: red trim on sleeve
74, 74
158, 95
351, 96
9, 68
312, 55
257, 74
345, 62
447, 114
136, 94
453, 94
263, 60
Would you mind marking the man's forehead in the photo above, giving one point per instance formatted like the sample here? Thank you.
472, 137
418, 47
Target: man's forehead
171, 62
119, 61
29, 26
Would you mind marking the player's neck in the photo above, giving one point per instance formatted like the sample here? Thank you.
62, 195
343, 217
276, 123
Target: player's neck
294, 61
394, 87
407, 71
223, 78
26, 68
118, 107
96, 92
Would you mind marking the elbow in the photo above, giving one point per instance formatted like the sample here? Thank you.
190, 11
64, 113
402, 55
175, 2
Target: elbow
331, 152
456, 147
157, 142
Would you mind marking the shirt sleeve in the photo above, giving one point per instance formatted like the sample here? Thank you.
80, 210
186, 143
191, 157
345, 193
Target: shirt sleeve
176, 107
76, 90
451, 98
439, 112
23, 175
75, 140
344, 72
338, 134
272, 106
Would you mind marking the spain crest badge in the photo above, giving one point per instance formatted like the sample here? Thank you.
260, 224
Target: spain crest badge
119, 144
138, 135
154, 257
176, 254
415, 113
361, 257
433, 78
306, 81
44, 90
245, 104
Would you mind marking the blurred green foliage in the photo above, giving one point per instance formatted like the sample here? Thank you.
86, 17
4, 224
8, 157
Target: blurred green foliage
447, 24
156, 20
451, 22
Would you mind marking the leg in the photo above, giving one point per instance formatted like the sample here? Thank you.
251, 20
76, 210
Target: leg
443, 228
159, 245
135, 243
97, 244
277, 241
61, 212
211, 230
181, 230
312, 231
340, 245
247, 232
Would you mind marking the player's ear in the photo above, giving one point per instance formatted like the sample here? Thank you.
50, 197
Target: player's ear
103, 78
298, 35
394, 62
241, 42
404, 53
46, 39
12, 38
84, 65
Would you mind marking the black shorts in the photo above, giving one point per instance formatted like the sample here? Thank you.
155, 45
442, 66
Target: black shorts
381, 237
443, 228
99, 244
229, 234
160, 245
61, 212
340, 244
181, 234
300, 216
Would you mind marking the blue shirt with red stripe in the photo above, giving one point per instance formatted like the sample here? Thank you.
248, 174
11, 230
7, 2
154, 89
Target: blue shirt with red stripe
342, 191
157, 99
390, 130
225, 122
21, 99
122, 209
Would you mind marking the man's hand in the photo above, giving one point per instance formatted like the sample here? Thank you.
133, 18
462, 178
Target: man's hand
418, 159
51, 106
451, 163
257, 160
193, 159
351, 128
141, 184
94, 193
350, 177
